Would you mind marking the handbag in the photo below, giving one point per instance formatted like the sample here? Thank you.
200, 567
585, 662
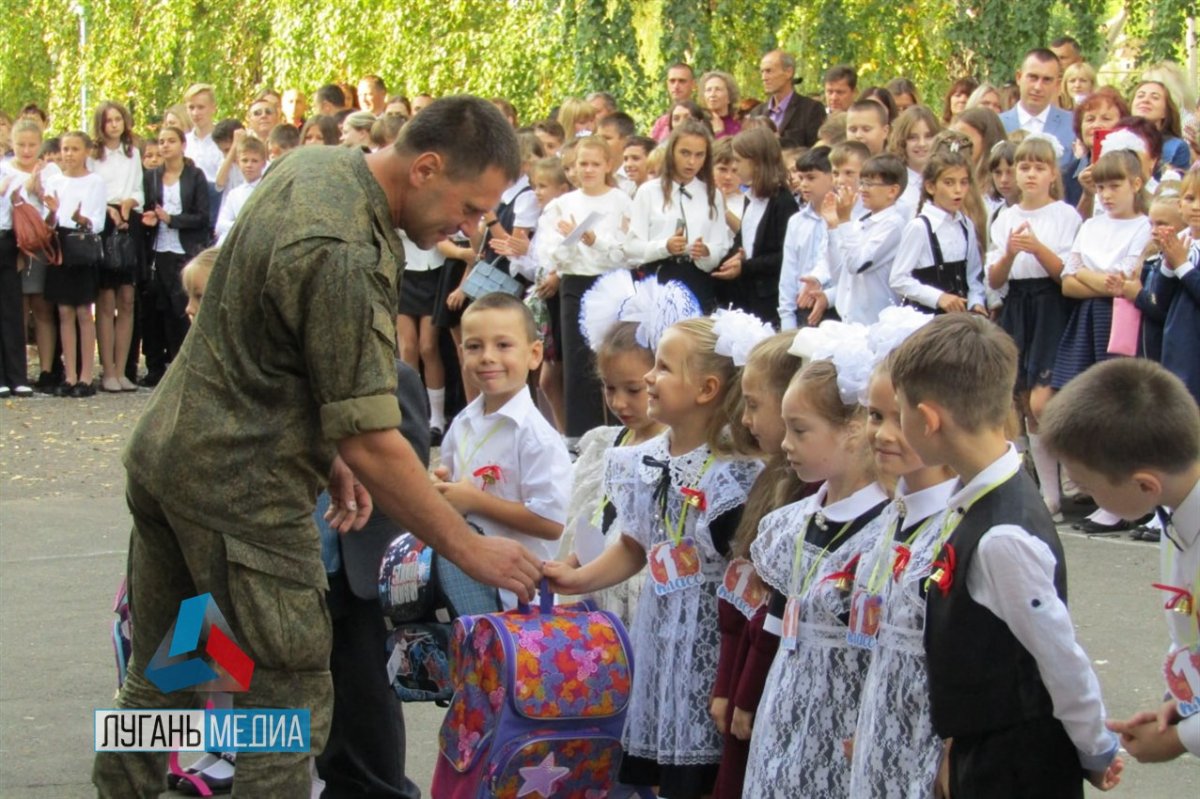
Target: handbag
487, 278
80, 248
120, 253
34, 237
1126, 324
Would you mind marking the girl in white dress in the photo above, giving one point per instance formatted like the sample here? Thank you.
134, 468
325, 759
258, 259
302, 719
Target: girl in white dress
808, 552
678, 500
895, 753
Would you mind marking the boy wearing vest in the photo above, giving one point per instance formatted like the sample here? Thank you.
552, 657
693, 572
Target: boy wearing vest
1008, 681
1132, 470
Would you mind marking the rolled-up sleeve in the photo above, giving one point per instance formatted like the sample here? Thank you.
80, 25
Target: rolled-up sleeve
544, 462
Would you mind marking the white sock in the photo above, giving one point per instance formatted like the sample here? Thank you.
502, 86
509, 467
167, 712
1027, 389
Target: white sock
1101, 516
1047, 470
437, 407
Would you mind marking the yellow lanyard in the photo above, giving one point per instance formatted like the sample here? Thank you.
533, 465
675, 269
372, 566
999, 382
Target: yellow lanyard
598, 516
878, 576
675, 532
799, 556
955, 516
465, 459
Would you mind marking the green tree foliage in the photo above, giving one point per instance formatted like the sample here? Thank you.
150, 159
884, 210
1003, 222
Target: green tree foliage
533, 52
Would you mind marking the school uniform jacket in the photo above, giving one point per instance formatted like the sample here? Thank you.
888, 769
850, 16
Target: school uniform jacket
757, 288
194, 223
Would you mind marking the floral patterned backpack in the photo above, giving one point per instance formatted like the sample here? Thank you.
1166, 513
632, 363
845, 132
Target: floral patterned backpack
539, 704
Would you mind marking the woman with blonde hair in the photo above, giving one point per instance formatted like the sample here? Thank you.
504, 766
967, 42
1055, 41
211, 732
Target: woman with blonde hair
577, 116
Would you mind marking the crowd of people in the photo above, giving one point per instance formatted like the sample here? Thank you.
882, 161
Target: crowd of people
723, 317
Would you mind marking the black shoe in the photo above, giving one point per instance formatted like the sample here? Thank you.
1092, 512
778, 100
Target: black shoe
5, 392
82, 389
151, 380
47, 382
63, 389
1150, 534
1096, 528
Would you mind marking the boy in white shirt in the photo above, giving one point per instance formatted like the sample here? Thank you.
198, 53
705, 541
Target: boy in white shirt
251, 161
805, 265
861, 252
502, 462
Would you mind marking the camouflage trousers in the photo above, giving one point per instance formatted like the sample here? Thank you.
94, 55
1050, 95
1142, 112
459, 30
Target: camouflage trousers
284, 626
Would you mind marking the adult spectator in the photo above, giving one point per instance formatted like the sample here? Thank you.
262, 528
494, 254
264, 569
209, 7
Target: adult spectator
604, 103
293, 106
681, 84
399, 104
956, 98
421, 102
986, 96
329, 100
1040, 80
372, 95
280, 355
506, 108
720, 93
1152, 101
841, 85
262, 117
1068, 51
796, 118
904, 92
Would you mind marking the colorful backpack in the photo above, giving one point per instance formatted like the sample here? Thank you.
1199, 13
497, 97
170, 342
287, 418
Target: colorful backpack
539, 704
422, 594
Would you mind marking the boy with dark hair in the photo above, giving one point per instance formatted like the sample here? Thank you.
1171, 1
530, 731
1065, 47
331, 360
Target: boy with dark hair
502, 462
861, 249
616, 129
806, 245
1008, 681
1132, 470
283, 137
634, 158
329, 100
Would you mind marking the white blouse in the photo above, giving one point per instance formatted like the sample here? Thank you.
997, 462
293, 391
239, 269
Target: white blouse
87, 193
1055, 226
1112, 246
122, 174
167, 238
755, 207
655, 219
605, 254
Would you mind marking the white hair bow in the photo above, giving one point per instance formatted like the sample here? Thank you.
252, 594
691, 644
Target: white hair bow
616, 297
737, 333
1123, 139
1054, 143
845, 344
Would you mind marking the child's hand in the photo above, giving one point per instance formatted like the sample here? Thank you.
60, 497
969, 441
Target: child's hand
548, 286
461, 494
441, 474
515, 245
829, 210
1150, 736
742, 724
1109, 778
81, 220
1114, 285
149, 218
819, 307
1079, 149
456, 299
677, 244
162, 214
951, 303
51, 203
716, 709
731, 267
1023, 239
699, 249
845, 202
566, 227
1174, 249
563, 579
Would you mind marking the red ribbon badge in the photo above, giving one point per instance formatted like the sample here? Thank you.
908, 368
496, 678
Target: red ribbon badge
903, 556
942, 574
490, 474
1180, 600
695, 497
842, 580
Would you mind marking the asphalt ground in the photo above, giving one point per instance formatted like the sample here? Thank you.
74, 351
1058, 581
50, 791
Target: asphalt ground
64, 530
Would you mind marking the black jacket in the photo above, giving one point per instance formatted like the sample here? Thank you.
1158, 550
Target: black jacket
757, 289
801, 121
194, 223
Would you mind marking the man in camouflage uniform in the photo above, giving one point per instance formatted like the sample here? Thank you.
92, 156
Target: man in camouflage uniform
285, 383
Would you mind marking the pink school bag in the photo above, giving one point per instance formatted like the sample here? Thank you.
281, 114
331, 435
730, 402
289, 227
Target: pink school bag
539, 704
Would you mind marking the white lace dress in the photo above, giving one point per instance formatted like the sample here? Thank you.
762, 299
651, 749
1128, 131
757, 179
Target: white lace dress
582, 535
675, 636
896, 751
810, 700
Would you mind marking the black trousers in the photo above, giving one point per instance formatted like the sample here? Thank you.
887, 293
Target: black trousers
1033, 760
165, 323
584, 392
12, 320
364, 755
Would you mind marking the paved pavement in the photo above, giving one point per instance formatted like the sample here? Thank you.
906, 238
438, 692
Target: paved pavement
63, 534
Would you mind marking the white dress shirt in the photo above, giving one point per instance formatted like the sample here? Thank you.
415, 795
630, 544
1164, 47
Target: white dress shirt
1031, 122
1054, 225
231, 206
525, 205
416, 259
1012, 575
752, 215
805, 251
122, 174
915, 253
534, 466
651, 222
605, 254
860, 260
205, 154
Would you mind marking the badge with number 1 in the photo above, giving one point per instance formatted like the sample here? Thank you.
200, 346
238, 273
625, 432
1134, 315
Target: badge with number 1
674, 567
866, 609
791, 624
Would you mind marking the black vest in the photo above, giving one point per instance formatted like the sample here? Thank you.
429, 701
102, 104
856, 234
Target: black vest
506, 216
947, 276
981, 679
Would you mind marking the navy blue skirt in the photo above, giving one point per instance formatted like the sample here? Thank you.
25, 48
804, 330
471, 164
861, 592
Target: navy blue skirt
1035, 314
1085, 340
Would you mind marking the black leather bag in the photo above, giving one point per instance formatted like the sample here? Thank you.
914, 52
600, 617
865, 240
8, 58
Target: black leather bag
80, 248
120, 253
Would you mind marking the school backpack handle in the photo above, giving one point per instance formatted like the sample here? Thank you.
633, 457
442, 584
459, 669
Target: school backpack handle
546, 602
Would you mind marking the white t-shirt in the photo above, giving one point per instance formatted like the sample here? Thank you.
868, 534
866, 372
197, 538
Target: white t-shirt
231, 206
1055, 226
167, 238
1112, 246
205, 154
416, 259
87, 193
